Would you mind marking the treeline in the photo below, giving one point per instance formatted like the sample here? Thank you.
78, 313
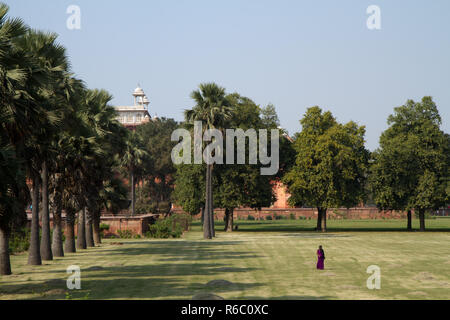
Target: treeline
61, 147
325, 165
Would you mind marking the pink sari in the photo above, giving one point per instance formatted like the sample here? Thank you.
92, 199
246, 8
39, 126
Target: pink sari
320, 260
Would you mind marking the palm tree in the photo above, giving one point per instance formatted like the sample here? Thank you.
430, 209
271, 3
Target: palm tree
110, 141
17, 118
13, 198
212, 109
134, 155
50, 57
114, 198
72, 124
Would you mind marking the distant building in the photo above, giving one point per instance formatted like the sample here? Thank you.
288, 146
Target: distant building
132, 116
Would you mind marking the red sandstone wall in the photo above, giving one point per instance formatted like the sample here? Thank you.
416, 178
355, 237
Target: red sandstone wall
138, 225
343, 213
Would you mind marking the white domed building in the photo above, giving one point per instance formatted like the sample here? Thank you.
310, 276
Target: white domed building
132, 116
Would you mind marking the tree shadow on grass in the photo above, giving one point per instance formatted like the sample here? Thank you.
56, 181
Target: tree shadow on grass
129, 283
185, 250
161, 279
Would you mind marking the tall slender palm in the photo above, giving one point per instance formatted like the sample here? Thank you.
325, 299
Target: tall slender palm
18, 116
72, 91
50, 57
134, 155
212, 109
110, 141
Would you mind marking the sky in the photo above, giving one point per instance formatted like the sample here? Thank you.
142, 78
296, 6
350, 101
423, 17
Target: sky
293, 54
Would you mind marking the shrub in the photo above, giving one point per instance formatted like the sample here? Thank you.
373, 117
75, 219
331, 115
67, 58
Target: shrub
170, 227
104, 226
292, 216
268, 217
126, 234
19, 240
279, 217
250, 217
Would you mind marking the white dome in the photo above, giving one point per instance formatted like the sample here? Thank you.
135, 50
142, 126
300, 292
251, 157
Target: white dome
138, 92
145, 100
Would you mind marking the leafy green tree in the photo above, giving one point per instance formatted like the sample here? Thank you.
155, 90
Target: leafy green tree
330, 165
243, 185
190, 186
158, 170
410, 170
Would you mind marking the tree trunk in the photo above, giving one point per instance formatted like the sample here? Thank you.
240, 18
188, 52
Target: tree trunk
96, 229
57, 243
46, 247
81, 229
324, 220
89, 230
5, 264
203, 215
69, 245
133, 194
211, 200
34, 253
229, 220
207, 215
319, 219
422, 219
409, 226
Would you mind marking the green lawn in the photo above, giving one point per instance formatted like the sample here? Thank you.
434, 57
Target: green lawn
263, 260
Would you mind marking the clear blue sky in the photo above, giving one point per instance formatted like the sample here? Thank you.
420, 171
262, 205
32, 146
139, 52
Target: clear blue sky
294, 54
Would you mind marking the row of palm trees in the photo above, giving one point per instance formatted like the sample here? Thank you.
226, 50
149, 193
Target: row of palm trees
60, 146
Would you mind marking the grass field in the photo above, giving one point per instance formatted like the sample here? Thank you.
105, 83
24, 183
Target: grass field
263, 260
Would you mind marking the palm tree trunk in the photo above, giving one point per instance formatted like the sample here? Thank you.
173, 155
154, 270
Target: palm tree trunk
46, 248
81, 230
324, 220
69, 245
211, 200
96, 228
207, 214
319, 219
5, 264
409, 226
229, 220
57, 243
203, 215
89, 229
34, 253
422, 219
133, 194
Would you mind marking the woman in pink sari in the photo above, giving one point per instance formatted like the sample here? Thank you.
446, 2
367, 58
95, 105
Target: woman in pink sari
320, 258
